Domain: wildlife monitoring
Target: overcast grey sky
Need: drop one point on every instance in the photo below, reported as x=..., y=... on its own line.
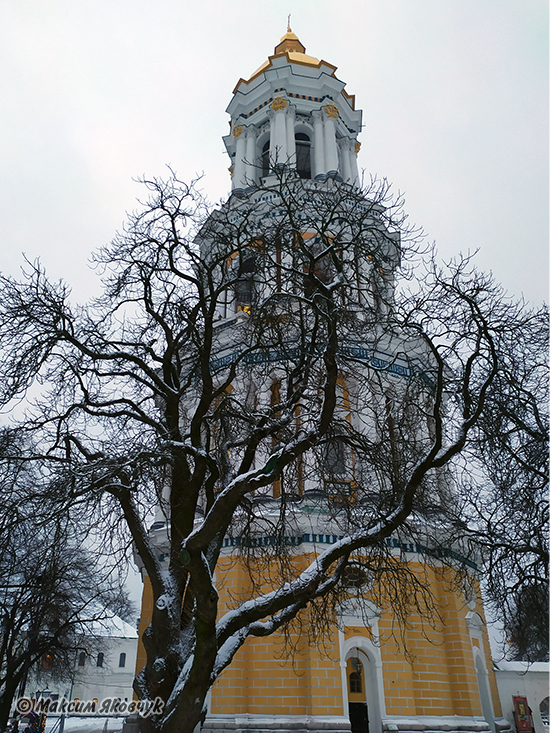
x=94, y=93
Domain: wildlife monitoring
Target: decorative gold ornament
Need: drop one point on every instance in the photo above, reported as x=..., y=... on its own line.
x=357, y=146
x=332, y=110
x=237, y=129
x=230, y=169
x=278, y=103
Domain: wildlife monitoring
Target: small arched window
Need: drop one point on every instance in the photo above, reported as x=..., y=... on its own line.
x=265, y=159
x=544, y=713
x=82, y=659
x=303, y=154
x=100, y=659
x=122, y=659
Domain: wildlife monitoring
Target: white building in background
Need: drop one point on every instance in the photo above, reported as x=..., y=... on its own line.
x=106, y=672
x=525, y=680
x=109, y=672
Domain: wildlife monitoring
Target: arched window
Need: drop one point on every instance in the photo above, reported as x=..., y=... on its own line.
x=82, y=659
x=543, y=709
x=303, y=154
x=265, y=159
x=122, y=659
x=100, y=659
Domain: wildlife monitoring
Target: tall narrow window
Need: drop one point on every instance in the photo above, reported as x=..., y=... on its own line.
x=122, y=659
x=81, y=659
x=278, y=260
x=244, y=288
x=390, y=421
x=265, y=159
x=335, y=458
x=100, y=659
x=355, y=682
x=303, y=155
x=275, y=403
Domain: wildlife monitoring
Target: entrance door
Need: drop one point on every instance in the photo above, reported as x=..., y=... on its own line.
x=357, y=698
x=359, y=717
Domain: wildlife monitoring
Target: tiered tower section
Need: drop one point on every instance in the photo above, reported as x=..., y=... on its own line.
x=293, y=112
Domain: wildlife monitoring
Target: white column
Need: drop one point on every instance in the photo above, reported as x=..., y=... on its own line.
x=319, y=145
x=353, y=160
x=251, y=162
x=280, y=155
x=331, y=151
x=239, y=169
x=345, y=153
x=290, y=140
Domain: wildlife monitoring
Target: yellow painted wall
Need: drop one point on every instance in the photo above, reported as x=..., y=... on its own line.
x=261, y=680
x=436, y=677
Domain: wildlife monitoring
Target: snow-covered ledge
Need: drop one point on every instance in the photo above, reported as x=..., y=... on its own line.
x=279, y=723
x=446, y=723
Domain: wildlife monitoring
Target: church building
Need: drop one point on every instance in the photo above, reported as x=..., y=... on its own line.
x=368, y=674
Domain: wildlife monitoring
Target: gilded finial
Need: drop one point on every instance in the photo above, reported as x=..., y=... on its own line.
x=289, y=42
x=288, y=28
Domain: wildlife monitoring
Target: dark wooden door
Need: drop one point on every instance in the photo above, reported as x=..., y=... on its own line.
x=359, y=717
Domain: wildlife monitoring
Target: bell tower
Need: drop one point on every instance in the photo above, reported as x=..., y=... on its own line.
x=297, y=241
x=293, y=119
x=292, y=112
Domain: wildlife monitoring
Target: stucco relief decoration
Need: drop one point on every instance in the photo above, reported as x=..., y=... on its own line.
x=357, y=146
x=237, y=129
x=278, y=103
x=332, y=110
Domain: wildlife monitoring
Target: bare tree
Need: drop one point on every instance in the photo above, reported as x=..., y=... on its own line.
x=510, y=509
x=51, y=601
x=55, y=595
x=266, y=352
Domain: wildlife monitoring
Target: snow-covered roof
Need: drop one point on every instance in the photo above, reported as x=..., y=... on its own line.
x=522, y=667
x=113, y=627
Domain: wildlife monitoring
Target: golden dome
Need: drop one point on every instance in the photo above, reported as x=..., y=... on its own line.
x=291, y=46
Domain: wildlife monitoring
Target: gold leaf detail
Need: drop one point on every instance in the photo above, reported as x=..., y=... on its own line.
x=278, y=103
x=237, y=129
x=332, y=110
x=357, y=146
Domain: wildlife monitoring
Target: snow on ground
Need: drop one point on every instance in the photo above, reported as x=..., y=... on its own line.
x=91, y=724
